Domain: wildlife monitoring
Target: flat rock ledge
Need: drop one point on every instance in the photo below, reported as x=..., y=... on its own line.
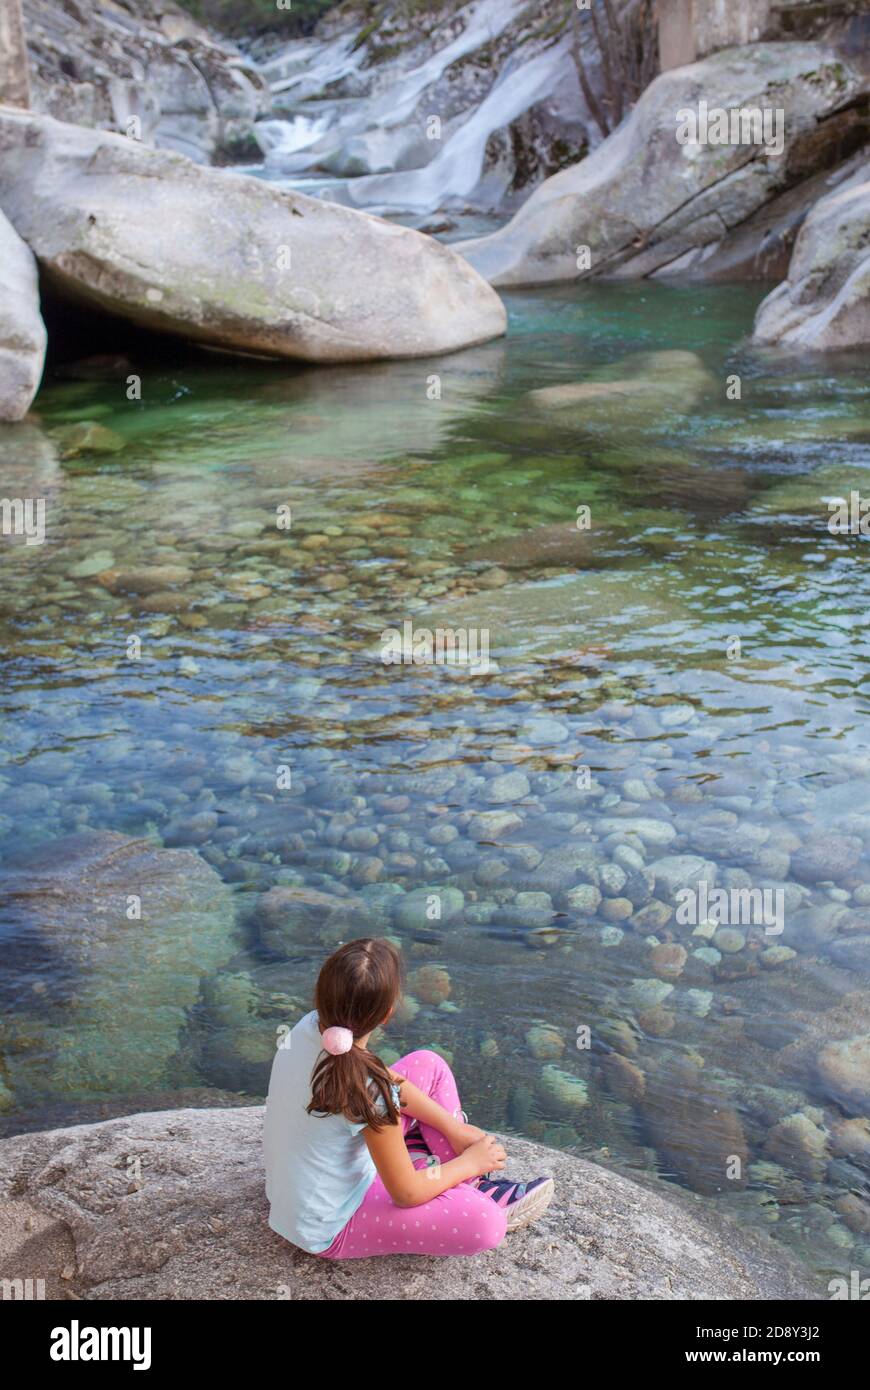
x=170, y=1205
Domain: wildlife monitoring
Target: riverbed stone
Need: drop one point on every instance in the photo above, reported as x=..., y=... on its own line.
x=546, y=1044
x=844, y=1072
x=492, y=825
x=799, y=1144
x=826, y=856
x=562, y=1093
x=425, y=907
x=637, y=389
x=431, y=984
x=675, y=872
x=668, y=960
x=289, y=914
x=851, y=1139
x=509, y=786
x=583, y=899
x=651, y=832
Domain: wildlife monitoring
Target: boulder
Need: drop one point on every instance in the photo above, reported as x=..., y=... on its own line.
x=171, y=1205
x=638, y=389
x=121, y=984
x=643, y=200
x=825, y=301
x=22, y=332
x=229, y=260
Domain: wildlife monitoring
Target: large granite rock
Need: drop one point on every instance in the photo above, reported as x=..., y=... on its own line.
x=643, y=202
x=227, y=259
x=760, y=248
x=825, y=301
x=149, y=61
x=170, y=1205
x=22, y=332
x=113, y=989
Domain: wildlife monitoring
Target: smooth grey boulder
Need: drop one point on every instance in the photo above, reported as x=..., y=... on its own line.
x=22, y=332
x=170, y=1205
x=825, y=301
x=227, y=259
x=643, y=201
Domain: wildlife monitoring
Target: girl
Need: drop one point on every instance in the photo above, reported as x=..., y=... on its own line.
x=347, y=1174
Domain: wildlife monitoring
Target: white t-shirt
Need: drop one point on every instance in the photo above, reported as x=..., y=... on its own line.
x=318, y=1167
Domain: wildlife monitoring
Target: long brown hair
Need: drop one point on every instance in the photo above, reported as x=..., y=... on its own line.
x=357, y=988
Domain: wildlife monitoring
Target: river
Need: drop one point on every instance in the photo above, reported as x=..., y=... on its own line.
x=692, y=683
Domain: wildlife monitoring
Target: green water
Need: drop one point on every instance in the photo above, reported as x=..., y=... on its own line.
x=418, y=492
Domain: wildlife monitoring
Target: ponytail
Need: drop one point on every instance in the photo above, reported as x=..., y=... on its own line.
x=355, y=1084
x=357, y=989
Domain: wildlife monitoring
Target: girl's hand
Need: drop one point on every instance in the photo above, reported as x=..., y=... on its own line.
x=486, y=1155
x=463, y=1136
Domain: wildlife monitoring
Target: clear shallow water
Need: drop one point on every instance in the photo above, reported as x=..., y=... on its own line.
x=709, y=523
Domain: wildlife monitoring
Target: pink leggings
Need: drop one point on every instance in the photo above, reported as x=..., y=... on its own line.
x=461, y=1221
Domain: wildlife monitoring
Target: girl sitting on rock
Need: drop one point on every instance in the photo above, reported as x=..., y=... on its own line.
x=362, y=1159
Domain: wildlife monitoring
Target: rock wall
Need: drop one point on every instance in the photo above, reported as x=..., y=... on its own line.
x=647, y=202
x=125, y=61
x=460, y=104
x=14, y=74
x=692, y=29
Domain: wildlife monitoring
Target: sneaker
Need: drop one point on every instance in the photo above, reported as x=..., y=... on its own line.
x=523, y=1201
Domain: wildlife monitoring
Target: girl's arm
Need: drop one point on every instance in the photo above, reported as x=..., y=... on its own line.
x=410, y=1187
x=415, y=1102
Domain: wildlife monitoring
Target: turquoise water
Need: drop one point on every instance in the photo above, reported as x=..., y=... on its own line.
x=621, y=724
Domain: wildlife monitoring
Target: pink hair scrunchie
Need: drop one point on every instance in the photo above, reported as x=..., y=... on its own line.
x=337, y=1040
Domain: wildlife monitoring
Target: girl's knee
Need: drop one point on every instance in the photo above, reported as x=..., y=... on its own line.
x=490, y=1226
x=424, y=1062
x=492, y=1240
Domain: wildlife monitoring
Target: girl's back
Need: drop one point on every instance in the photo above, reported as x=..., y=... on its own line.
x=318, y=1167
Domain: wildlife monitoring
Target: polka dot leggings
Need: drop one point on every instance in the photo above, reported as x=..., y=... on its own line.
x=461, y=1221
